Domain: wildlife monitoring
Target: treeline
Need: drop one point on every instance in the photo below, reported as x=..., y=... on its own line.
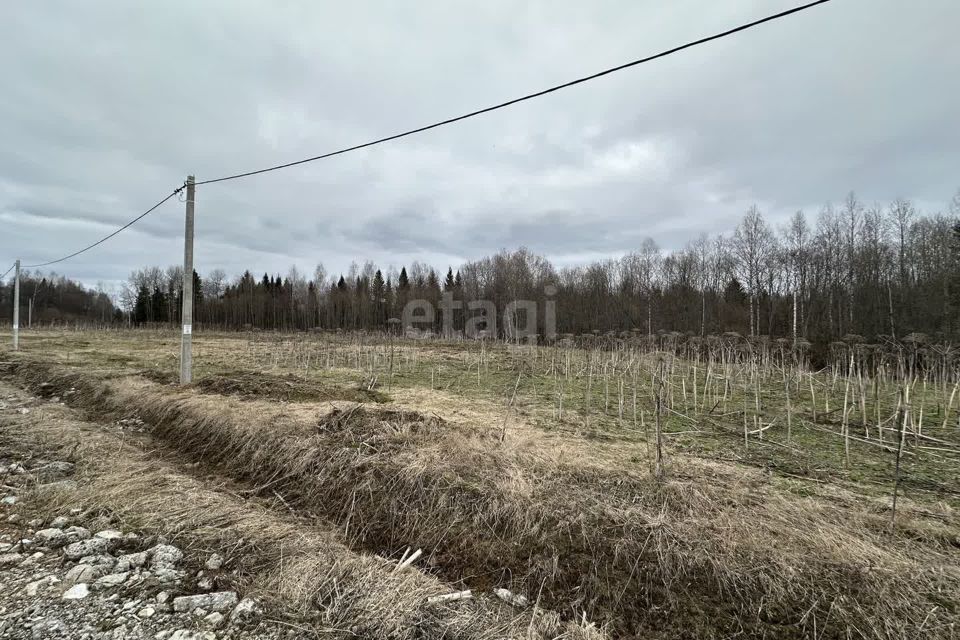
x=52, y=299
x=855, y=270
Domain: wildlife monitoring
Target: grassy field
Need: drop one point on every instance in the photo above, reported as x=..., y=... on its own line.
x=534, y=468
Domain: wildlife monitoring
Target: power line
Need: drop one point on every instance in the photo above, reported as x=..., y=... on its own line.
x=7, y=271
x=442, y=123
x=107, y=237
x=529, y=96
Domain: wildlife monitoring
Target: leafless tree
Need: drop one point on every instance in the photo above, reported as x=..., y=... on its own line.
x=752, y=246
x=214, y=284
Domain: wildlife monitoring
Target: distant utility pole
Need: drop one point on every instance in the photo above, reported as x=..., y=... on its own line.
x=16, y=305
x=186, y=340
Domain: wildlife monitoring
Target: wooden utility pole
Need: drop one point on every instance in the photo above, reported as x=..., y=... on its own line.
x=186, y=340
x=16, y=305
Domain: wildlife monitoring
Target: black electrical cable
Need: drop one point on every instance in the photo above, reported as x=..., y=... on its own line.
x=435, y=125
x=105, y=238
x=529, y=96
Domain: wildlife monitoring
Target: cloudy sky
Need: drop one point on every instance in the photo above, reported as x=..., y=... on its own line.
x=106, y=106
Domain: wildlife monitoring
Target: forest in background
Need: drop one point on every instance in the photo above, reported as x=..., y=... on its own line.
x=53, y=299
x=867, y=271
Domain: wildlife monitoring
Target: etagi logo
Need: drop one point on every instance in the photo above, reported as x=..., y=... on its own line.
x=521, y=319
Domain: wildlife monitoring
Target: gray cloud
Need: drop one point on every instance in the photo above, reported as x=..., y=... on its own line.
x=108, y=106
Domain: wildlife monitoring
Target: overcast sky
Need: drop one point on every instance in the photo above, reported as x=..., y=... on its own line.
x=106, y=106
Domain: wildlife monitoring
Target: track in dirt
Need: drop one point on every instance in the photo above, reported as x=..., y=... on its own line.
x=297, y=563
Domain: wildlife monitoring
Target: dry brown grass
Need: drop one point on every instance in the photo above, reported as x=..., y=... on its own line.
x=301, y=569
x=251, y=385
x=714, y=550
